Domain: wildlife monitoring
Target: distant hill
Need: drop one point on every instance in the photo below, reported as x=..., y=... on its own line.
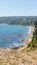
x=20, y=20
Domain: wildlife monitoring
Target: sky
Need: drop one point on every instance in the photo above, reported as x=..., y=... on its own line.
x=18, y=8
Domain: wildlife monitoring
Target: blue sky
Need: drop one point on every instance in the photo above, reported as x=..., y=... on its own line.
x=18, y=7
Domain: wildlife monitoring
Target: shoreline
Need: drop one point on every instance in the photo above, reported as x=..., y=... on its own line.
x=28, y=39
x=25, y=41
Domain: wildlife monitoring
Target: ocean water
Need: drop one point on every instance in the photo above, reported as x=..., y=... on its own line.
x=11, y=36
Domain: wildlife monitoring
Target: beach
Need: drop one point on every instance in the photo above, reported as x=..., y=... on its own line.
x=28, y=39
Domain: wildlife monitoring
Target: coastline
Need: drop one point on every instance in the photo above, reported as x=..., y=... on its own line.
x=28, y=39
x=25, y=41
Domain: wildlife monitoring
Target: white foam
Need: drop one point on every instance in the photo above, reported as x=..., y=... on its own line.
x=29, y=31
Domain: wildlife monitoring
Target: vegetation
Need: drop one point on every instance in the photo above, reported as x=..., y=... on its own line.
x=19, y=20
x=33, y=43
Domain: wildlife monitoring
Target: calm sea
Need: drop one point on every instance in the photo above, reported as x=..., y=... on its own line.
x=11, y=36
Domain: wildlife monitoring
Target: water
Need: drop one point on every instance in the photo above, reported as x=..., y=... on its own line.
x=11, y=36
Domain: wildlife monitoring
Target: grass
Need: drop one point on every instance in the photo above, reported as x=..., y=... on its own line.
x=23, y=61
x=33, y=58
x=12, y=63
x=16, y=57
x=26, y=50
x=30, y=61
x=30, y=47
x=33, y=44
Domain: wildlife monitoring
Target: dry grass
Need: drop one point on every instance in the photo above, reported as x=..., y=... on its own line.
x=10, y=57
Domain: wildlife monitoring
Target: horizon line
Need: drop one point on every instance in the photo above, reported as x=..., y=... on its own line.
x=17, y=16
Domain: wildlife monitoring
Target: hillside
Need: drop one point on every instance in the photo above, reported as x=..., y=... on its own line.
x=19, y=20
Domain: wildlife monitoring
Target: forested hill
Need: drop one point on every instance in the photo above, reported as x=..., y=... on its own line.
x=20, y=20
